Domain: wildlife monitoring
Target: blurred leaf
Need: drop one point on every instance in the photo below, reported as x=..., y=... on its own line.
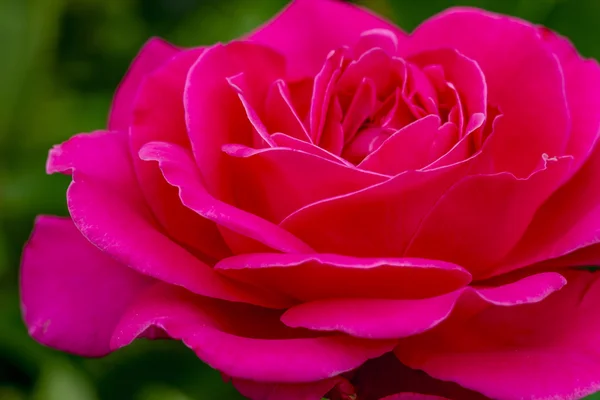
x=62, y=381
x=10, y=393
x=161, y=393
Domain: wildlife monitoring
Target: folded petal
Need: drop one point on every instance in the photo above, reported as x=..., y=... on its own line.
x=307, y=30
x=481, y=218
x=180, y=171
x=528, y=86
x=389, y=318
x=72, y=294
x=152, y=55
x=109, y=209
x=283, y=116
x=408, y=148
x=158, y=115
x=548, y=349
x=290, y=142
x=341, y=276
x=377, y=221
x=275, y=182
x=244, y=341
x=214, y=113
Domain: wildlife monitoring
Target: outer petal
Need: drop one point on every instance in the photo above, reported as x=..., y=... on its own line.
x=243, y=341
x=568, y=221
x=180, y=171
x=528, y=85
x=158, y=115
x=154, y=53
x=384, y=319
x=340, y=276
x=582, y=86
x=108, y=208
x=481, y=218
x=547, y=350
x=72, y=294
x=307, y=30
x=275, y=182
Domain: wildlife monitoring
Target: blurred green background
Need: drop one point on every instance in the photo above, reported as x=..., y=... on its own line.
x=60, y=62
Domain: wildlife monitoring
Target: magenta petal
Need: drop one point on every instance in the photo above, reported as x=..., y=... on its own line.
x=282, y=391
x=282, y=116
x=341, y=276
x=544, y=350
x=275, y=182
x=307, y=30
x=158, y=115
x=408, y=148
x=481, y=218
x=215, y=331
x=372, y=318
x=290, y=142
x=377, y=221
x=180, y=171
x=389, y=318
x=72, y=294
x=214, y=114
x=567, y=222
x=108, y=208
x=528, y=86
x=154, y=53
x=582, y=85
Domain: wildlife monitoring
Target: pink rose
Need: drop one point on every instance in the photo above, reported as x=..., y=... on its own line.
x=330, y=206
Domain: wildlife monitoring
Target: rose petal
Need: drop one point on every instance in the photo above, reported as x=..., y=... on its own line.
x=214, y=114
x=283, y=116
x=180, y=171
x=152, y=55
x=380, y=38
x=289, y=142
x=72, y=294
x=528, y=85
x=567, y=222
x=544, y=350
x=582, y=84
x=389, y=319
x=481, y=218
x=158, y=115
x=108, y=208
x=273, y=183
x=409, y=148
x=341, y=276
x=218, y=332
x=307, y=30
x=377, y=221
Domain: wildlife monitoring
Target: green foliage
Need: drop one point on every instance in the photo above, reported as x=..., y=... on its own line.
x=61, y=60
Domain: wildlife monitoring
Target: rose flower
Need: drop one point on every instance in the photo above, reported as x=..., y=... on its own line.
x=333, y=207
